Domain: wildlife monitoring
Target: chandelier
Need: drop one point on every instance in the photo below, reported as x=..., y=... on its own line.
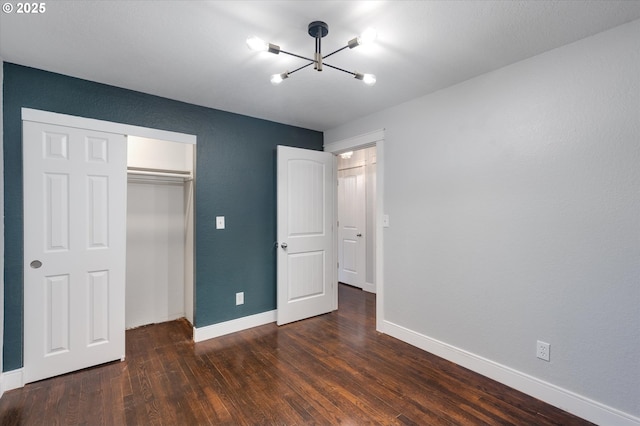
x=317, y=30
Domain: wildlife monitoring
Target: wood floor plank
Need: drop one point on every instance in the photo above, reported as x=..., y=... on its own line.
x=328, y=370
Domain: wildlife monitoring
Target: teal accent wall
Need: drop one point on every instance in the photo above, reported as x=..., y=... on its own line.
x=235, y=163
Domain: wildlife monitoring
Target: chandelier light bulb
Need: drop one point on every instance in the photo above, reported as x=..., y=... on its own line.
x=369, y=79
x=256, y=43
x=368, y=36
x=277, y=78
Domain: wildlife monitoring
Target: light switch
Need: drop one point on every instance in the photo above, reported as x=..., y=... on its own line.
x=385, y=221
x=219, y=222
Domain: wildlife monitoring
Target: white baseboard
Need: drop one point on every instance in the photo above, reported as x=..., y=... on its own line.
x=11, y=380
x=566, y=400
x=227, y=327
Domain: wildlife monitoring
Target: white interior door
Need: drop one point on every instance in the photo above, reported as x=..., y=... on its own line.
x=306, y=259
x=352, y=245
x=74, y=248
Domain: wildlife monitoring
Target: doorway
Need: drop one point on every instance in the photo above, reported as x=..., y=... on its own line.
x=357, y=218
x=374, y=138
x=159, y=273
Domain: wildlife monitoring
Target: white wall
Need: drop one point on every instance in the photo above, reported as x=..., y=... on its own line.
x=1, y=222
x=514, y=203
x=370, y=184
x=159, y=154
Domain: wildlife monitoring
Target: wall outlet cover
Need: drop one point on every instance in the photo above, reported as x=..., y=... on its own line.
x=543, y=350
x=219, y=222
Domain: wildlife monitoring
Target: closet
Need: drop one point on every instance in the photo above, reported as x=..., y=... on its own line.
x=159, y=271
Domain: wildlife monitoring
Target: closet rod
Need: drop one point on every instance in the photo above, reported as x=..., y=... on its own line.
x=158, y=172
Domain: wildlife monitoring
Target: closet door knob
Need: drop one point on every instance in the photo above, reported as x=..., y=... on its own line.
x=284, y=245
x=359, y=235
x=35, y=264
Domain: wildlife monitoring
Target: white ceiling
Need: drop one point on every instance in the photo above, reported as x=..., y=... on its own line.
x=195, y=51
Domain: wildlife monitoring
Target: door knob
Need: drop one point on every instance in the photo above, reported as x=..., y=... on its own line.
x=284, y=245
x=359, y=235
x=35, y=264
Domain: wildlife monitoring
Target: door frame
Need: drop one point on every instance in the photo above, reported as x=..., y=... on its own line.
x=366, y=140
x=28, y=114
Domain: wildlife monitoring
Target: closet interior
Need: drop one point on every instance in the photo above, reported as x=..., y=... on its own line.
x=160, y=253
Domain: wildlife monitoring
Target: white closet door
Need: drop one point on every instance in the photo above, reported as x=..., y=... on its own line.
x=74, y=249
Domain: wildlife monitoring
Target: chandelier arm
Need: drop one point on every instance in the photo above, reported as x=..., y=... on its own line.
x=341, y=69
x=302, y=67
x=334, y=52
x=297, y=56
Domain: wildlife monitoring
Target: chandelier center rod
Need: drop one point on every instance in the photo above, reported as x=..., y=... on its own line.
x=317, y=30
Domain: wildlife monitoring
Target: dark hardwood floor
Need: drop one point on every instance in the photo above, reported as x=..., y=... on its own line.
x=328, y=370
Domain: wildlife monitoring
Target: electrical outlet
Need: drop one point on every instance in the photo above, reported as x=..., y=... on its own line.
x=240, y=298
x=219, y=222
x=543, y=350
